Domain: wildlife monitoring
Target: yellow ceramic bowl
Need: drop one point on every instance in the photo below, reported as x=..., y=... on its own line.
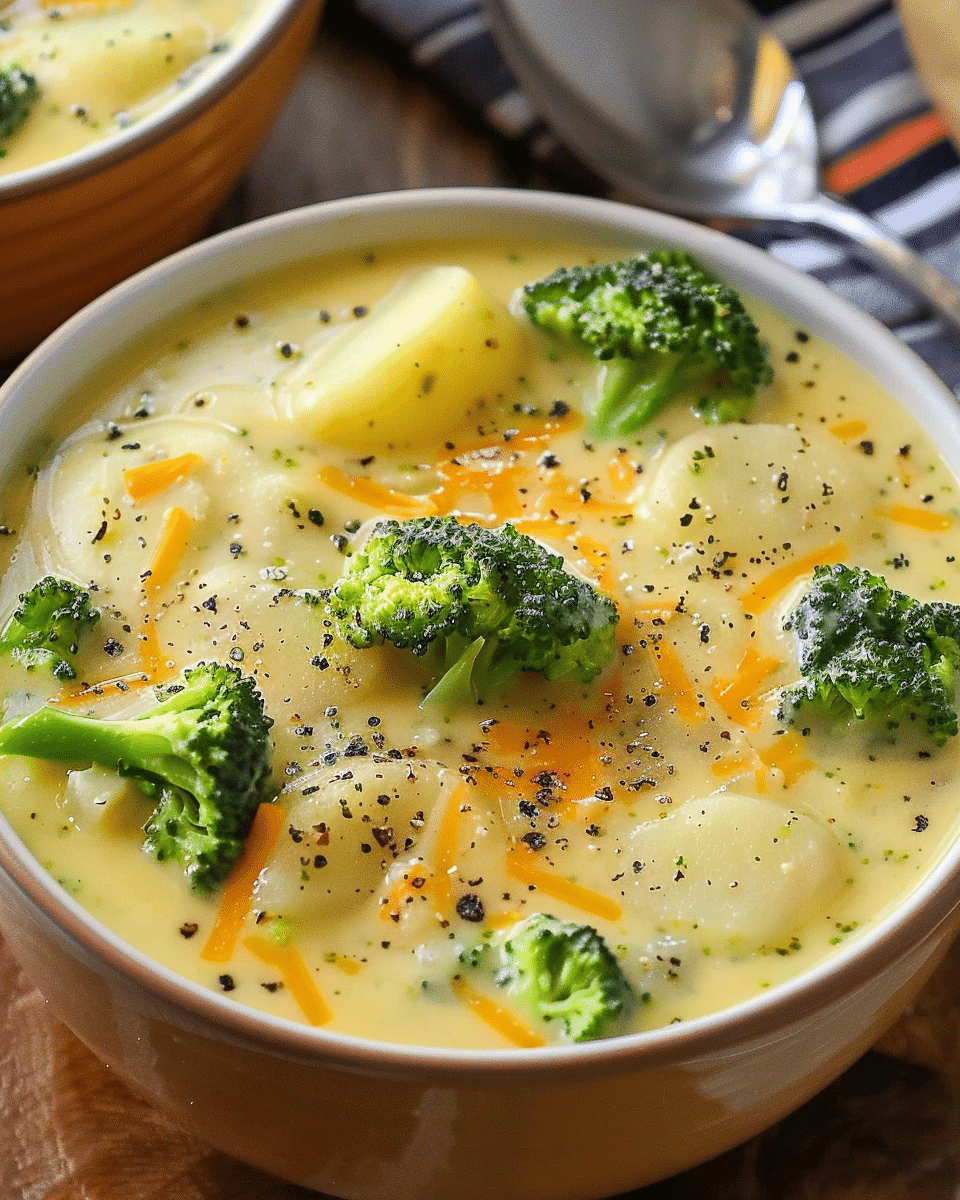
x=376, y=1121
x=72, y=228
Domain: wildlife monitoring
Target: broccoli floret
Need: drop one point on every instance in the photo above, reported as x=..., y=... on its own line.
x=871, y=653
x=485, y=603
x=557, y=971
x=19, y=92
x=46, y=627
x=664, y=327
x=202, y=753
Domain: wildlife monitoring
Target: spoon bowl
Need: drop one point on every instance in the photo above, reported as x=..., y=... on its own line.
x=692, y=106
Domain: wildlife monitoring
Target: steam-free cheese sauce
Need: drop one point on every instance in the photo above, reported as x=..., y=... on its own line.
x=102, y=65
x=717, y=852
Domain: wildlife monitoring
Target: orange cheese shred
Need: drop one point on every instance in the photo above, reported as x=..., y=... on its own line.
x=596, y=556
x=156, y=667
x=569, y=755
x=565, y=495
x=153, y=477
x=919, y=518
x=531, y=431
x=169, y=549
x=368, y=491
x=758, y=598
x=675, y=680
x=238, y=889
x=85, y=7
x=495, y=483
x=413, y=885
x=622, y=473
x=732, y=765
x=445, y=851
x=167, y=554
x=295, y=975
x=520, y=866
x=496, y=1016
x=786, y=756
x=544, y=527
x=502, y=919
x=348, y=965
x=741, y=764
x=847, y=430
x=737, y=696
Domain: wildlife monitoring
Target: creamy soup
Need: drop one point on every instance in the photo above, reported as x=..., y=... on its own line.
x=717, y=851
x=100, y=67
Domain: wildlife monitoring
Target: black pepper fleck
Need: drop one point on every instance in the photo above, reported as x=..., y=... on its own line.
x=470, y=908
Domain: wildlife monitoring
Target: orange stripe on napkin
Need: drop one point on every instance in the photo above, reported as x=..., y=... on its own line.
x=878, y=157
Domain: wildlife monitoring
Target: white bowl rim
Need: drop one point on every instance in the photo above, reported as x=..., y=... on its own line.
x=220, y=73
x=922, y=915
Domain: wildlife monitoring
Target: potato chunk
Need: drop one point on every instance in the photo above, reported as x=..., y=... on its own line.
x=347, y=825
x=434, y=353
x=85, y=65
x=742, y=871
x=767, y=490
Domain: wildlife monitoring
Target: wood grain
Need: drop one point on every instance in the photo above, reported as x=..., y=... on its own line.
x=71, y=1130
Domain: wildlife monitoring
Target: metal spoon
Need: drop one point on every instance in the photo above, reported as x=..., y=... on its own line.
x=692, y=106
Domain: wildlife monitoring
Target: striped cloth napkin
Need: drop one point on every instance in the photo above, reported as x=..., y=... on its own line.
x=885, y=148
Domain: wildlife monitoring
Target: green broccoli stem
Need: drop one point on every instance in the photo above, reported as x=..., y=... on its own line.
x=471, y=669
x=456, y=685
x=201, y=755
x=722, y=407
x=130, y=746
x=634, y=390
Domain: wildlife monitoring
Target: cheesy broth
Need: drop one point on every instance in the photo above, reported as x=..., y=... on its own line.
x=717, y=853
x=101, y=67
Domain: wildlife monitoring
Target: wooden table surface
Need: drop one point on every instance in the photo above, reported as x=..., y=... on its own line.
x=361, y=120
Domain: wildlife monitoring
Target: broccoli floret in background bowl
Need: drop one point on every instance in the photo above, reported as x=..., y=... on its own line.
x=19, y=92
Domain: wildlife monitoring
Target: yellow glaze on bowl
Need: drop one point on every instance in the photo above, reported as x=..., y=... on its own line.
x=67, y=235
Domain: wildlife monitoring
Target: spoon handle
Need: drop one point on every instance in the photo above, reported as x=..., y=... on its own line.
x=887, y=252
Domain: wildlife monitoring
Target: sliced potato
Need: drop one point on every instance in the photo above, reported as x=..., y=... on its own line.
x=743, y=871
x=433, y=354
x=116, y=74
x=764, y=490
x=347, y=825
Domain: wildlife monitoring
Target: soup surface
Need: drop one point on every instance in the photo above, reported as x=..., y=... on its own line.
x=717, y=851
x=101, y=67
